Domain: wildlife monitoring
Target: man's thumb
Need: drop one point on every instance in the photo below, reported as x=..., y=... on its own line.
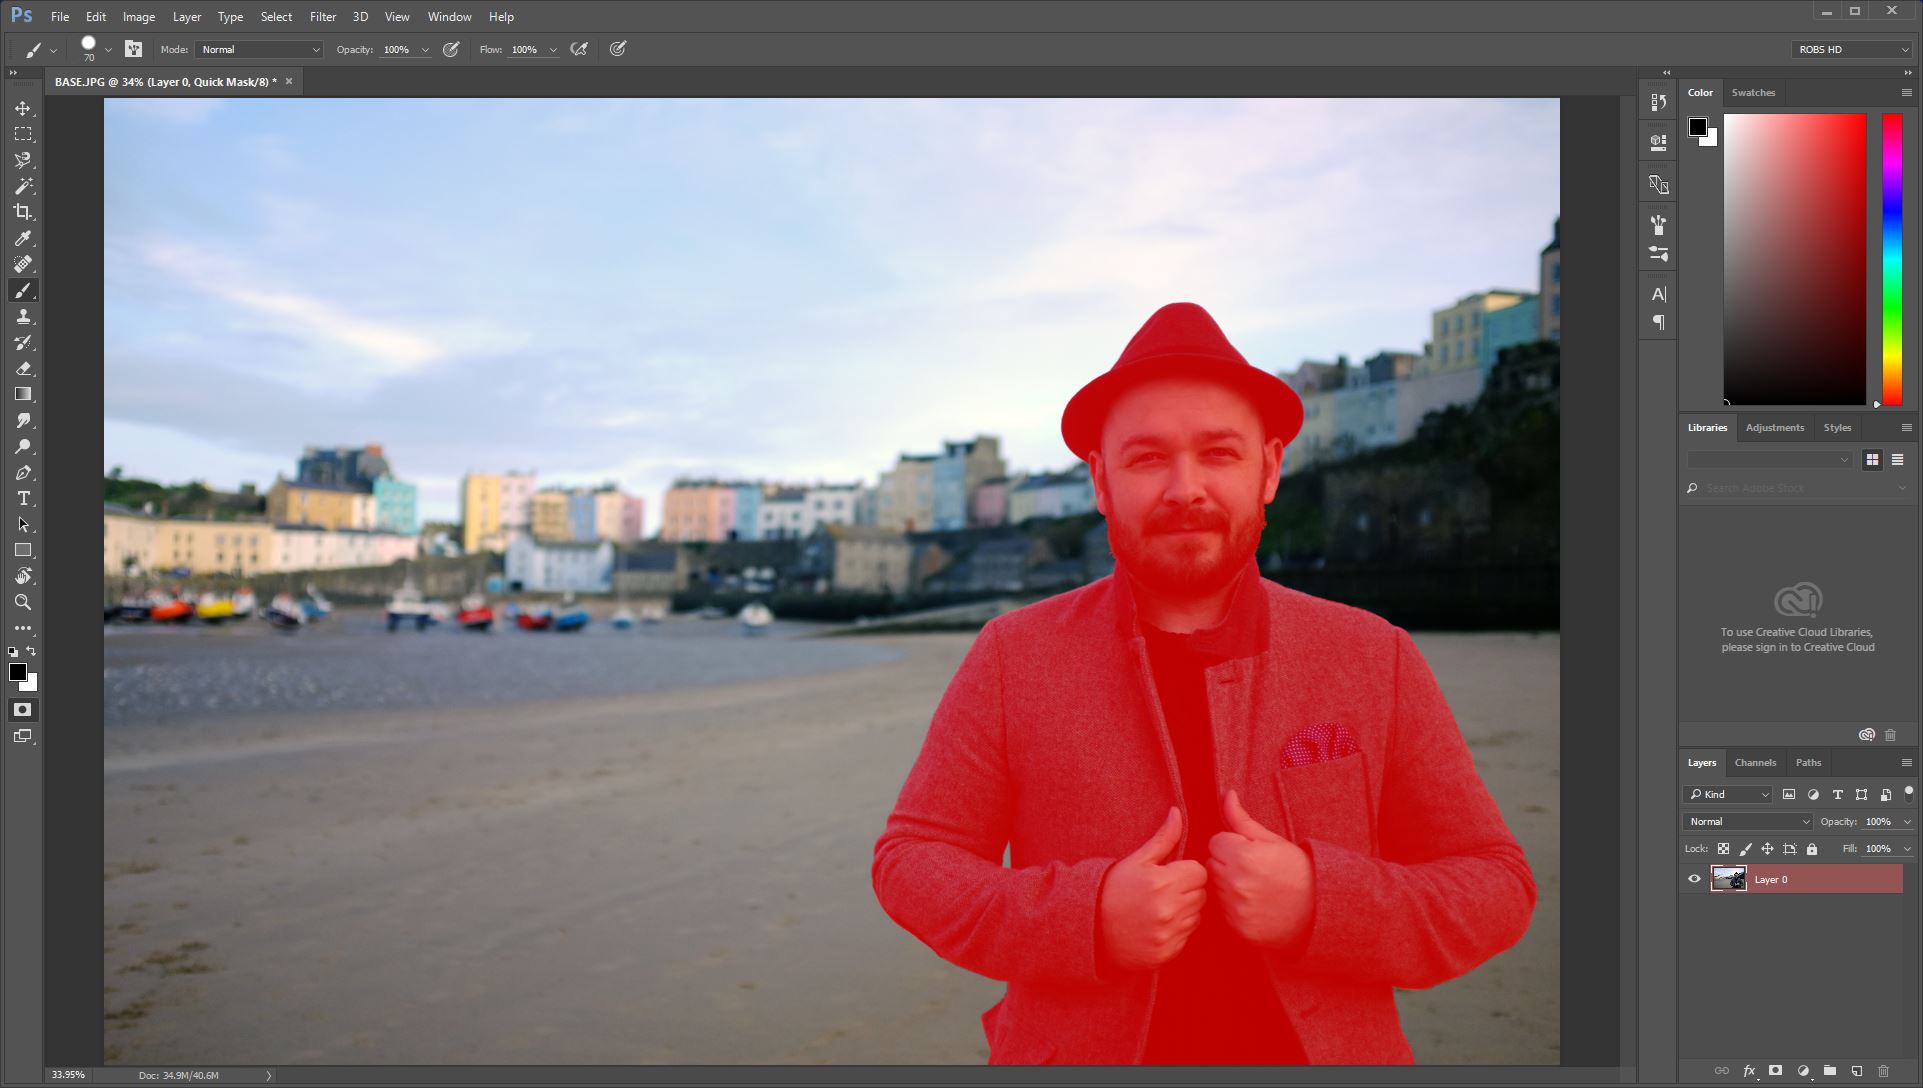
x=1242, y=823
x=1162, y=843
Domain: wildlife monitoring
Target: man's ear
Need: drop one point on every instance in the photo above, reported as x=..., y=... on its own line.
x=1100, y=479
x=1271, y=469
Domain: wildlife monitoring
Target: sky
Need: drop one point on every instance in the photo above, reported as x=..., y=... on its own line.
x=796, y=290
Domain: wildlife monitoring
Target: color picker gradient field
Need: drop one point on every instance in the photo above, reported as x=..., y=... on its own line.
x=1795, y=258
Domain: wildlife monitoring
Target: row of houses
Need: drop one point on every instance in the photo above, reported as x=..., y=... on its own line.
x=138, y=543
x=495, y=505
x=967, y=486
x=835, y=557
x=1381, y=401
x=1347, y=409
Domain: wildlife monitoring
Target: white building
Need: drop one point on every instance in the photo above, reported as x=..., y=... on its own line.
x=830, y=506
x=559, y=566
x=783, y=515
x=391, y=548
x=300, y=547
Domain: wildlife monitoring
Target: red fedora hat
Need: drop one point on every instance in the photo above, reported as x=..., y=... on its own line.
x=1179, y=340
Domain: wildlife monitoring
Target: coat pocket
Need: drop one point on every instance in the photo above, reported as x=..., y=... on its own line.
x=1330, y=801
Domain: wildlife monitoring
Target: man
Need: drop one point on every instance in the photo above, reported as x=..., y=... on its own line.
x=1238, y=816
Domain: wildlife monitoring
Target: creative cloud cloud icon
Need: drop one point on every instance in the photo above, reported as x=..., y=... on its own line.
x=1802, y=599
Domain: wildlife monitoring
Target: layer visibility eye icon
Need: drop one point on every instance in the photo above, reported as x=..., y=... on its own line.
x=1803, y=599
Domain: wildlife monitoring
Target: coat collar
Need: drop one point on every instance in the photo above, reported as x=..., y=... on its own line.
x=1244, y=632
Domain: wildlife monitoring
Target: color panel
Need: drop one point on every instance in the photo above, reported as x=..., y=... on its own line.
x=1795, y=258
x=1892, y=323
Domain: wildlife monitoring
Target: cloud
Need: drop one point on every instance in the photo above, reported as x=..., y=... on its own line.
x=791, y=289
x=228, y=280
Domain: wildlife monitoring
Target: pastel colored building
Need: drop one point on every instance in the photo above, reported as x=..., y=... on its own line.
x=747, y=511
x=1365, y=415
x=698, y=510
x=395, y=506
x=1052, y=495
x=989, y=506
x=583, y=515
x=552, y=512
x=128, y=540
x=1508, y=327
x=1418, y=397
x=906, y=499
x=328, y=506
x=632, y=520
x=214, y=547
x=957, y=472
x=517, y=500
x=610, y=504
x=1458, y=330
x=300, y=547
x=491, y=504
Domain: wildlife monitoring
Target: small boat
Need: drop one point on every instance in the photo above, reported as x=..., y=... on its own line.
x=215, y=610
x=284, y=612
x=755, y=618
x=134, y=610
x=171, y=611
x=653, y=613
x=622, y=619
x=572, y=620
x=407, y=607
x=475, y=615
x=534, y=619
x=244, y=603
x=315, y=606
x=313, y=609
x=711, y=612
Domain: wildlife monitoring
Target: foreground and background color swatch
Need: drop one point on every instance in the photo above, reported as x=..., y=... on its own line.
x=1794, y=256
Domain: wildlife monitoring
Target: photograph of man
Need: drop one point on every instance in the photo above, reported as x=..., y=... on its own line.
x=1236, y=817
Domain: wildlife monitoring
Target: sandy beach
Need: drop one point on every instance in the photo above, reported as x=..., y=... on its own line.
x=668, y=876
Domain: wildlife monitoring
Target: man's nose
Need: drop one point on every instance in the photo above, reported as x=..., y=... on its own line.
x=1184, y=481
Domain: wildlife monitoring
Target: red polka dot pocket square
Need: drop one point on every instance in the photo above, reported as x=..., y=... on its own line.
x=1319, y=743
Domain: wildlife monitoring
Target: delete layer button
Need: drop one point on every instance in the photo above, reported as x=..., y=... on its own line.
x=1830, y=879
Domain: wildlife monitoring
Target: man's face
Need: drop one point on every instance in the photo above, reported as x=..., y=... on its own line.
x=1184, y=475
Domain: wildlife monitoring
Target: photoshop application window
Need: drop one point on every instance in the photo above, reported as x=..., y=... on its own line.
x=840, y=541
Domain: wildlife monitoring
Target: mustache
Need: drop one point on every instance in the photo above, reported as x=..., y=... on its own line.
x=1187, y=520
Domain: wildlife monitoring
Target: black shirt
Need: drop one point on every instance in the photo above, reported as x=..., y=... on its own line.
x=1214, y=1004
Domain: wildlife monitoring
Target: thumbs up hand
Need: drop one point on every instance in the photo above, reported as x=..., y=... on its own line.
x=1149, y=905
x=1262, y=881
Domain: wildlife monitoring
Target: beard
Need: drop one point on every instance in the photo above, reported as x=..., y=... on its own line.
x=1171, y=564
